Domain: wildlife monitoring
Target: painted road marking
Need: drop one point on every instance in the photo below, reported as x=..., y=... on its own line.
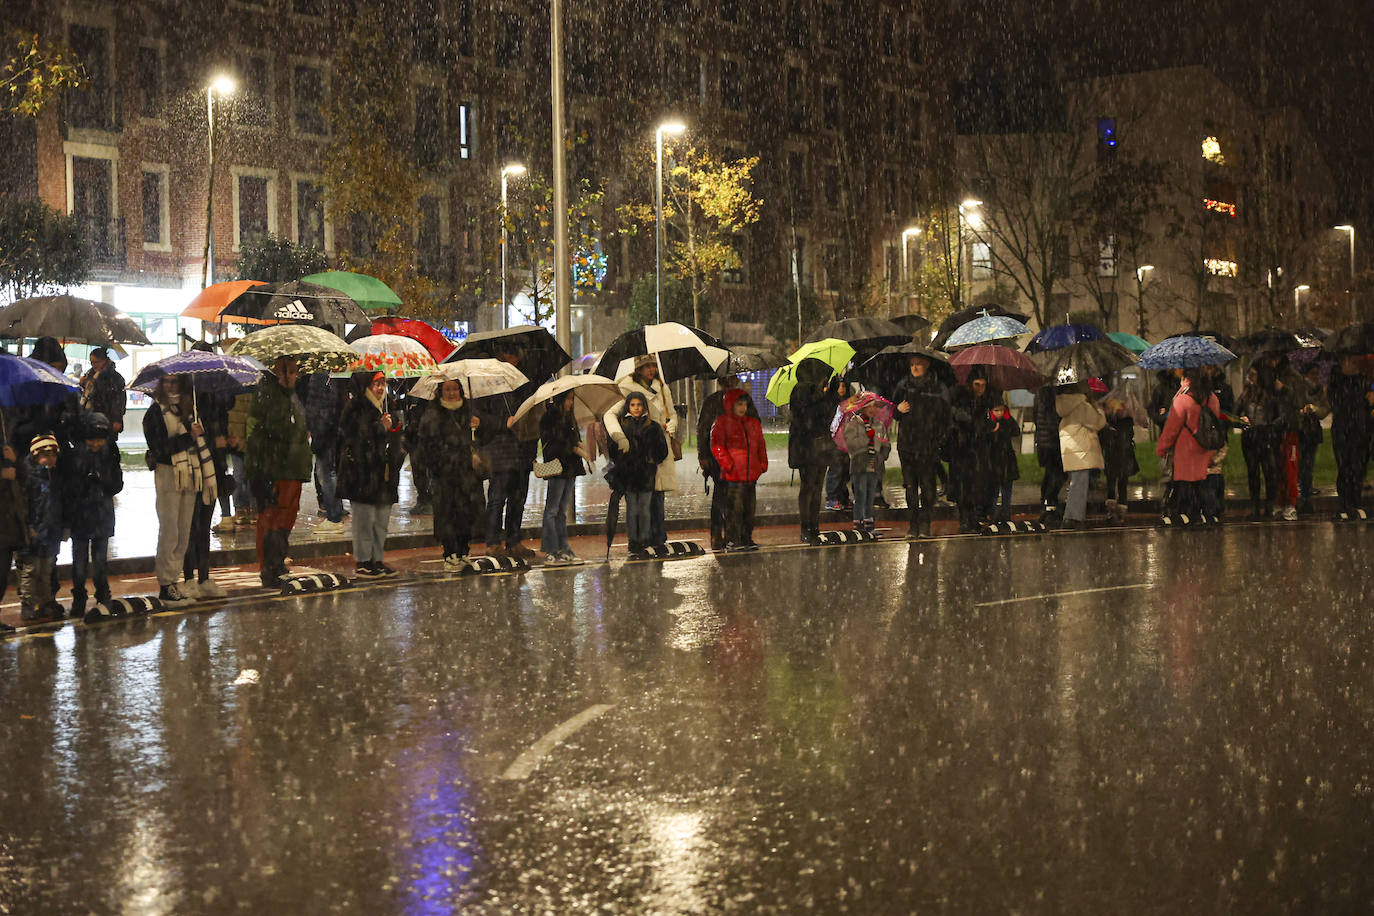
x=526, y=763
x=1081, y=591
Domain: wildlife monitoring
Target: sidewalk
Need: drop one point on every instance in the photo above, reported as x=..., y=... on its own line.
x=132, y=547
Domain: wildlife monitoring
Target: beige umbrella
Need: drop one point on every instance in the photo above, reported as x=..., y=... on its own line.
x=481, y=378
x=593, y=395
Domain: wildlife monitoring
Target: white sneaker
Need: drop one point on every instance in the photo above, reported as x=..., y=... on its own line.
x=190, y=588
x=328, y=527
x=172, y=595
x=455, y=563
x=1290, y=514
x=225, y=526
x=210, y=589
x=571, y=558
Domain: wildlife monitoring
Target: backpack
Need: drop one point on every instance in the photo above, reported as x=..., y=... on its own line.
x=1210, y=433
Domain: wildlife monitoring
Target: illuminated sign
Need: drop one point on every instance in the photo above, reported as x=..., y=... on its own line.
x=1219, y=268
x=1211, y=150
x=1219, y=206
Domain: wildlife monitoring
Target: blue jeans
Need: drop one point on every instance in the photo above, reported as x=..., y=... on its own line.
x=327, y=479
x=1001, y=502
x=506, y=499
x=837, y=483
x=637, y=526
x=658, y=525
x=91, y=554
x=865, y=486
x=556, y=502
x=243, y=493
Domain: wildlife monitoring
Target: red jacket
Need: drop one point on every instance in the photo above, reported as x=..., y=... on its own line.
x=737, y=444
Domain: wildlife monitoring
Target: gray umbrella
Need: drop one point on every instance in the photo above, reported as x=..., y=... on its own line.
x=70, y=318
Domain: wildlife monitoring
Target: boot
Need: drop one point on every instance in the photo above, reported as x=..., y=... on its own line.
x=1111, y=510
x=78, y=608
x=273, y=558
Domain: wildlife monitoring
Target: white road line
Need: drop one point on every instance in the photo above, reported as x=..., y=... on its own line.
x=526, y=763
x=1081, y=591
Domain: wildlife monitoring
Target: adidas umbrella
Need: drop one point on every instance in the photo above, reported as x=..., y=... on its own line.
x=296, y=302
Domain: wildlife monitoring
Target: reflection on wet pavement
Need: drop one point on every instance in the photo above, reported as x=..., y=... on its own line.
x=870, y=729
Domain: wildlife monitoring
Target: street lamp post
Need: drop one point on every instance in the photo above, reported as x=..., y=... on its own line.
x=1297, y=301
x=1140, y=273
x=224, y=86
x=671, y=127
x=965, y=207
x=506, y=172
x=908, y=233
x=1351, y=230
x=562, y=265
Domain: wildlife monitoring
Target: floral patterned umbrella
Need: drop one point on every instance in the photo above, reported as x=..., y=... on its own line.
x=392, y=355
x=314, y=349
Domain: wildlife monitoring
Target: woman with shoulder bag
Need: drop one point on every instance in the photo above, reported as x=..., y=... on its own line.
x=170, y=431
x=456, y=469
x=562, y=443
x=370, y=457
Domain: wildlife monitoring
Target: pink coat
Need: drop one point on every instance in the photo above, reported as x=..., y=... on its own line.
x=1190, y=459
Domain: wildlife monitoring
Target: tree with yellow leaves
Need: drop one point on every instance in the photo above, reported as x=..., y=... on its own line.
x=36, y=73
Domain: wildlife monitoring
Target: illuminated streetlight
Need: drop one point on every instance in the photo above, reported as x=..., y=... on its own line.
x=975, y=222
x=1297, y=300
x=908, y=233
x=222, y=85
x=1140, y=273
x=1351, y=230
x=668, y=127
x=506, y=172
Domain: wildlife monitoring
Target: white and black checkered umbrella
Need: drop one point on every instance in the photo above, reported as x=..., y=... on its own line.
x=681, y=351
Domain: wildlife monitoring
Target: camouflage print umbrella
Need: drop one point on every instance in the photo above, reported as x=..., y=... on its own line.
x=314, y=349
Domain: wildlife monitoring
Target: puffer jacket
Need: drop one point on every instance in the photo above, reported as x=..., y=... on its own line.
x=1046, y=425
x=711, y=408
x=42, y=490
x=660, y=411
x=634, y=465
x=738, y=445
x=856, y=440
x=278, y=446
x=1079, y=420
x=370, y=454
x=90, y=480
x=922, y=431
x=1191, y=460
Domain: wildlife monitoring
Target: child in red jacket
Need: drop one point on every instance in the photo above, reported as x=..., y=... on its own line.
x=738, y=446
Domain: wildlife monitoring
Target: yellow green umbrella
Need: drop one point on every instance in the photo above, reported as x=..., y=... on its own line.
x=833, y=352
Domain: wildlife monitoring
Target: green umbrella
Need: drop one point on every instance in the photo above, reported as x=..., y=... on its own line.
x=1130, y=341
x=369, y=292
x=833, y=352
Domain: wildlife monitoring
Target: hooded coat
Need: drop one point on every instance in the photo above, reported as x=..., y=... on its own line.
x=922, y=431
x=1079, y=421
x=660, y=411
x=90, y=481
x=636, y=452
x=711, y=408
x=812, y=408
x=277, y=444
x=1190, y=459
x=444, y=445
x=737, y=444
x=370, y=453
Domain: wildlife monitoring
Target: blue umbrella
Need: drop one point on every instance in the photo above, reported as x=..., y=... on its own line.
x=982, y=330
x=25, y=382
x=1185, y=353
x=206, y=372
x=1058, y=336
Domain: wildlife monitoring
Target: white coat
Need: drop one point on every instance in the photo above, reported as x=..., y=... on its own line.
x=1079, y=420
x=660, y=410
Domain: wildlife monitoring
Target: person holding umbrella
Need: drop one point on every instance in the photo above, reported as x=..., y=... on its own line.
x=1080, y=420
x=637, y=451
x=711, y=408
x=866, y=439
x=444, y=441
x=809, y=446
x=277, y=460
x=1315, y=408
x=562, y=443
x=170, y=429
x=1257, y=414
x=739, y=449
x=1352, y=425
x=102, y=390
x=1179, y=438
x=837, y=498
x=57, y=418
x=923, y=421
x=972, y=472
x=644, y=381
x=370, y=458
x=511, y=462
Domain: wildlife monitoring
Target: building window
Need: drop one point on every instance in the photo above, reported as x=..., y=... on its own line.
x=735, y=276
x=914, y=42
x=255, y=209
x=830, y=106
x=796, y=24
x=510, y=40
x=914, y=121
x=796, y=100
x=797, y=186
x=93, y=201
x=252, y=103
x=429, y=126
x=891, y=118
x=981, y=258
x=465, y=130
x=833, y=261
x=93, y=106
x=582, y=162
x=429, y=237
x=360, y=235
x=729, y=10
x=1106, y=257
x=892, y=254
x=890, y=190
x=731, y=88
x=832, y=185
x=582, y=70
x=830, y=24
x=308, y=98
x=307, y=7
x=427, y=32
x=678, y=65
x=151, y=83
x=798, y=267
x=1060, y=256
x=310, y=214
x=507, y=136
x=466, y=47
x=155, y=209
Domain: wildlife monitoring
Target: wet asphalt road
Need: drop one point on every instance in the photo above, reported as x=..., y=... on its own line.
x=1185, y=727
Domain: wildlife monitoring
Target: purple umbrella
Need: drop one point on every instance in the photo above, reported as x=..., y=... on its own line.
x=206, y=372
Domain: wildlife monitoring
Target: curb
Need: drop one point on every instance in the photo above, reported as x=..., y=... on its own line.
x=240, y=556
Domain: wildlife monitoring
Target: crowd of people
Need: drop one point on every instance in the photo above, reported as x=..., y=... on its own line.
x=251, y=453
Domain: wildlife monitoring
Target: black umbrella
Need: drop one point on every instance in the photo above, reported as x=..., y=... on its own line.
x=1352, y=340
x=964, y=316
x=69, y=318
x=750, y=359
x=681, y=351
x=539, y=355
x=297, y=302
x=912, y=324
x=885, y=369
x=874, y=333
x=1083, y=360
x=1272, y=340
